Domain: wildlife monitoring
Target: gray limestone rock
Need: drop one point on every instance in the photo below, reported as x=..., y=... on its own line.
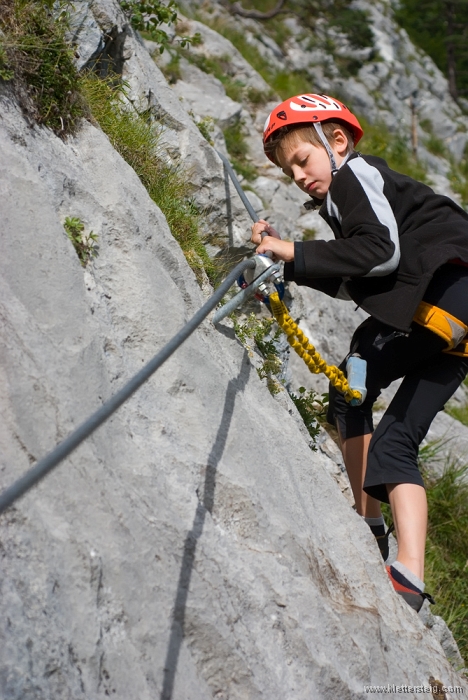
x=194, y=547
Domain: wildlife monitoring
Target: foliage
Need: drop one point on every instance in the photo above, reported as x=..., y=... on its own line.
x=447, y=549
x=148, y=16
x=265, y=337
x=446, y=543
x=460, y=413
x=440, y=28
x=171, y=69
x=206, y=127
x=309, y=234
x=84, y=244
x=352, y=22
x=238, y=149
x=379, y=141
x=136, y=138
x=36, y=58
x=459, y=177
x=341, y=14
x=313, y=409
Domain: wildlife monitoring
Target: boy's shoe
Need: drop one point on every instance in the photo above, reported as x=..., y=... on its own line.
x=382, y=539
x=413, y=597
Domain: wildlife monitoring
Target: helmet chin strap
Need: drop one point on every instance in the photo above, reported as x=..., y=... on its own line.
x=324, y=140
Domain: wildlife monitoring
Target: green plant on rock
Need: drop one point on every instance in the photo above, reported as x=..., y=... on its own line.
x=379, y=141
x=36, y=58
x=206, y=127
x=447, y=548
x=313, y=410
x=265, y=334
x=446, y=544
x=136, y=138
x=83, y=243
x=459, y=177
x=148, y=15
x=171, y=69
x=238, y=151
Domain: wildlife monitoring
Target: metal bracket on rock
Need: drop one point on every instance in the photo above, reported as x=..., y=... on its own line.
x=263, y=272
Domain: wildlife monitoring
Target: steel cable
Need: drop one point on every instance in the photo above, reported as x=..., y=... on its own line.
x=47, y=463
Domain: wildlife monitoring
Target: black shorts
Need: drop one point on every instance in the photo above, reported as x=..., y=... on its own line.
x=430, y=379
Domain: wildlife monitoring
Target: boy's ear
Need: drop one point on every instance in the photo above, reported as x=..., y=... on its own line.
x=340, y=141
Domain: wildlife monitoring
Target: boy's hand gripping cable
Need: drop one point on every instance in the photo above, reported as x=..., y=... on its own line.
x=354, y=385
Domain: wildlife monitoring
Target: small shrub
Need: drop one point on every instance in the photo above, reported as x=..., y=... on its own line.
x=265, y=337
x=206, y=128
x=313, y=409
x=436, y=146
x=36, y=58
x=148, y=15
x=83, y=243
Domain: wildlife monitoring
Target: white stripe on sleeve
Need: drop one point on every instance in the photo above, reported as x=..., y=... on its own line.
x=373, y=184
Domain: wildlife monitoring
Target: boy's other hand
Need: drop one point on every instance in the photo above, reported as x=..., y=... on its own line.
x=282, y=250
x=260, y=227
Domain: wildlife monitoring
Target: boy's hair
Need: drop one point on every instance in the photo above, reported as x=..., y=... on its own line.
x=287, y=137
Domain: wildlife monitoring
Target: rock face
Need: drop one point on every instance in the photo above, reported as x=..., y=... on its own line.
x=194, y=547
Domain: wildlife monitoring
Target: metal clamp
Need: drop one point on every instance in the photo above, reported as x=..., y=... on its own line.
x=263, y=263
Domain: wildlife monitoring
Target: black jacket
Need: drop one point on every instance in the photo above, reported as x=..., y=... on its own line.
x=391, y=234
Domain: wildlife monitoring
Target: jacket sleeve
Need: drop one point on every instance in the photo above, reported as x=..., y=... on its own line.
x=332, y=286
x=368, y=242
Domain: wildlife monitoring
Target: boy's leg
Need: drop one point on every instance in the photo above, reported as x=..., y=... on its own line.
x=389, y=356
x=393, y=474
x=354, y=452
x=409, y=508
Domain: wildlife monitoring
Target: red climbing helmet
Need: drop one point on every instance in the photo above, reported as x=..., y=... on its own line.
x=304, y=109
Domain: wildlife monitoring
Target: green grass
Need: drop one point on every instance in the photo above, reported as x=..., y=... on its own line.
x=459, y=177
x=137, y=140
x=36, y=59
x=458, y=412
x=285, y=83
x=447, y=550
x=447, y=542
x=309, y=234
x=379, y=141
x=238, y=149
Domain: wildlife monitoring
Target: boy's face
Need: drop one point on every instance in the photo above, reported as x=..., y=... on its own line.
x=309, y=166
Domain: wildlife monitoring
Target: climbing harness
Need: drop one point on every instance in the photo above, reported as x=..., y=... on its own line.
x=316, y=364
x=446, y=326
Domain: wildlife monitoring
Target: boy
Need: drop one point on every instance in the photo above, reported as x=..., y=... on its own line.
x=401, y=253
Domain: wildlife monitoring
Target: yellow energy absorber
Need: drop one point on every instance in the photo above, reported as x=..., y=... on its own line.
x=446, y=326
x=304, y=349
